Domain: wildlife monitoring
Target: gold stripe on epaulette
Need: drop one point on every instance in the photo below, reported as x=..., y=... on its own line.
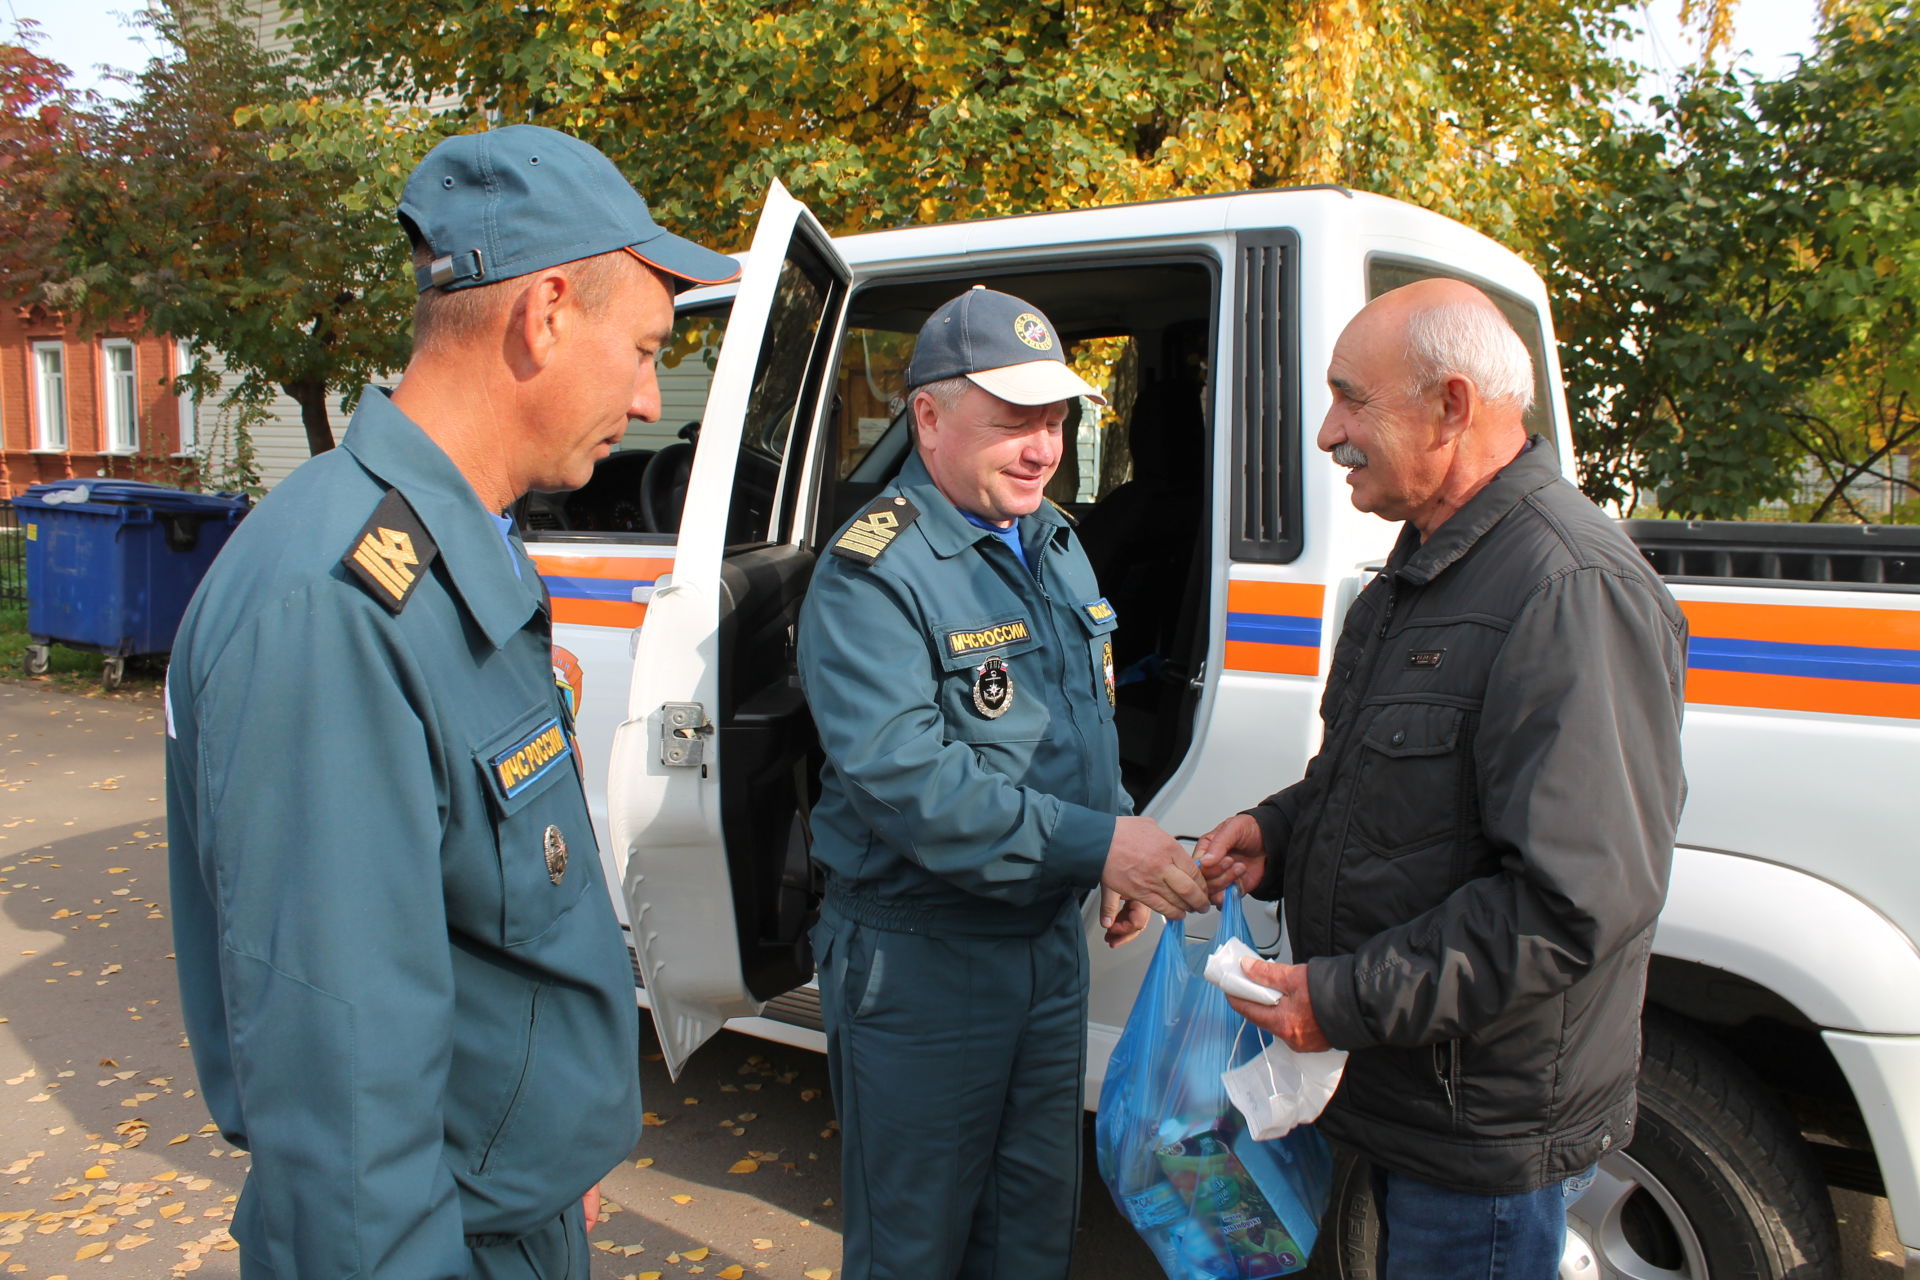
x=875, y=529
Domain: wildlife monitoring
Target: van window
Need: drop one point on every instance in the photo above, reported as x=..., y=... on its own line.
x=1387, y=274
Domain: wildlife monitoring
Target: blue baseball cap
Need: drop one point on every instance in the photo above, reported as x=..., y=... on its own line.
x=505, y=203
x=1000, y=344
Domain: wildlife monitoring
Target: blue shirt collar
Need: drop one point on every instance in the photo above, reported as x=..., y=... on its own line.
x=393, y=448
x=947, y=531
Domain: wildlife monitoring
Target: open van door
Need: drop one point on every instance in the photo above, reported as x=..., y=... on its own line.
x=711, y=770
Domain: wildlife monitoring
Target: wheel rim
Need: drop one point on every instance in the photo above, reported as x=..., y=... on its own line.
x=1628, y=1226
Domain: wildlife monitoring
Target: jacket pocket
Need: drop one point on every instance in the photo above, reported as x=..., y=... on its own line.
x=542, y=835
x=1409, y=783
x=993, y=681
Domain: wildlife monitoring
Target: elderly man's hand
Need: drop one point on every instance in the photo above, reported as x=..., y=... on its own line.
x=1232, y=853
x=1148, y=866
x=1292, y=1019
x=1123, y=920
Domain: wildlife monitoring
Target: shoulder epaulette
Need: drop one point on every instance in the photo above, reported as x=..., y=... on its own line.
x=391, y=553
x=876, y=529
x=1073, y=521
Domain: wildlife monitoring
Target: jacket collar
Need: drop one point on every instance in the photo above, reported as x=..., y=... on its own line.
x=947, y=531
x=1418, y=563
x=393, y=448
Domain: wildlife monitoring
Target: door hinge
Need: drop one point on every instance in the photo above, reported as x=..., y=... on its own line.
x=684, y=729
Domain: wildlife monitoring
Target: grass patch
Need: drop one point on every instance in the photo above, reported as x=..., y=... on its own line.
x=75, y=669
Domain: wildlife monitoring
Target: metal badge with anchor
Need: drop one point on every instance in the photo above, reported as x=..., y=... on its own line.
x=993, y=688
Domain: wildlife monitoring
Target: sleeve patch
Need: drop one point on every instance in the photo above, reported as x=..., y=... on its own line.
x=875, y=529
x=391, y=553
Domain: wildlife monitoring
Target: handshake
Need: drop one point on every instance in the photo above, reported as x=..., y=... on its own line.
x=1148, y=871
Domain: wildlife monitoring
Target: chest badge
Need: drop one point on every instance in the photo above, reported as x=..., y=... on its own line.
x=1424, y=659
x=993, y=688
x=556, y=850
x=1106, y=661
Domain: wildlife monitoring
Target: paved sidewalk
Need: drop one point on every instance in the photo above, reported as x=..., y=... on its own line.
x=107, y=1152
x=111, y=1169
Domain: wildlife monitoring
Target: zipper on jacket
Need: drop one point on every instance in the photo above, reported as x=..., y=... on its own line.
x=1386, y=615
x=1446, y=1069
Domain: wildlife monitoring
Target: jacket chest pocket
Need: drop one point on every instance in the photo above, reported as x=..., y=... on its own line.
x=993, y=681
x=542, y=836
x=1099, y=620
x=1410, y=789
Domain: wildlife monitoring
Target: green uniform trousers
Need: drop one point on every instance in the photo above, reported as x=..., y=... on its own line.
x=557, y=1251
x=958, y=1060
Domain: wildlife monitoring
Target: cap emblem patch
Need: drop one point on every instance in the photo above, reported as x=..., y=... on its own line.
x=1032, y=330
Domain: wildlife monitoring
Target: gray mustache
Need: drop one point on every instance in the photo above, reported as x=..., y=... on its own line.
x=1348, y=456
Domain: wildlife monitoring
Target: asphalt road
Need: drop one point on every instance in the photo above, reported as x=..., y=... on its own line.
x=109, y=1165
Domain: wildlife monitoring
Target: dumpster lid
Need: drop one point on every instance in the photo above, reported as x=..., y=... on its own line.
x=123, y=493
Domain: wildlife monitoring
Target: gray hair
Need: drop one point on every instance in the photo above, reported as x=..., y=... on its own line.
x=1473, y=341
x=946, y=392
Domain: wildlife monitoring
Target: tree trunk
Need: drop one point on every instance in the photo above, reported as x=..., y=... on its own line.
x=311, y=396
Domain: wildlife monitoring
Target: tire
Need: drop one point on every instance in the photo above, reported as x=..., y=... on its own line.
x=113, y=673
x=1717, y=1183
x=36, y=659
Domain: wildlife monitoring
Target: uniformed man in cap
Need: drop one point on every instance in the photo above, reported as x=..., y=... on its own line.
x=956, y=653
x=402, y=976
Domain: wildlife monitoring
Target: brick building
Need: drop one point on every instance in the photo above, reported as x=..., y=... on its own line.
x=75, y=406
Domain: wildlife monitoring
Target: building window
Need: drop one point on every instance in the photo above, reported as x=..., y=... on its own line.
x=50, y=396
x=188, y=403
x=123, y=423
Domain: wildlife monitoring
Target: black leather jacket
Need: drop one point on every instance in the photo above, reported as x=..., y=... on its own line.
x=1472, y=865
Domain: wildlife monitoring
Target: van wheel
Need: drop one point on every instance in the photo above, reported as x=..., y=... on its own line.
x=1716, y=1183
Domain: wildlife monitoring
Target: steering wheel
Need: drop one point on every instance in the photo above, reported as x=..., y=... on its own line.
x=663, y=487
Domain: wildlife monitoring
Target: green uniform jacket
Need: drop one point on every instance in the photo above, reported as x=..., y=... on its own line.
x=420, y=1036
x=927, y=798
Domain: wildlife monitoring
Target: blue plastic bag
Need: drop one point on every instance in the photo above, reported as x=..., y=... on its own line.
x=1210, y=1201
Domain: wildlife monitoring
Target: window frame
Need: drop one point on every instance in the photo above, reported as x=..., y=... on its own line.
x=45, y=438
x=119, y=417
x=188, y=406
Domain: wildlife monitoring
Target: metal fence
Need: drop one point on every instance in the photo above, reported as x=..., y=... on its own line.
x=13, y=556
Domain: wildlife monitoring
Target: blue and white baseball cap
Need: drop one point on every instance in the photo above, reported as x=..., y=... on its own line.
x=1002, y=345
x=508, y=202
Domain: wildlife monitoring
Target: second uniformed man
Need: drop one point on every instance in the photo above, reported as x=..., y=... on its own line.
x=956, y=653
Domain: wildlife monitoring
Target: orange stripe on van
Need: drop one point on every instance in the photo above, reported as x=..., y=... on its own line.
x=1280, y=659
x=598, y=613
x=1298, y=599
x=1801, y=693
x=640, y=567
x=1805, y=624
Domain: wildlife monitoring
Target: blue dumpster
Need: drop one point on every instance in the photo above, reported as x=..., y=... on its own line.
x=111, y=564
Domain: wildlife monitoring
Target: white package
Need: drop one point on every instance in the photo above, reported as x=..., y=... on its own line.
x=1278, y=1088
x=1223, y=971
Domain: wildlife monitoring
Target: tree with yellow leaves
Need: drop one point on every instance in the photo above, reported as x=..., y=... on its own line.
x=883, y=112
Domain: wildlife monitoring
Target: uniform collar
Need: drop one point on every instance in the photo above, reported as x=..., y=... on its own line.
x=397, y=452
x=947, y=531
x=1418, y=563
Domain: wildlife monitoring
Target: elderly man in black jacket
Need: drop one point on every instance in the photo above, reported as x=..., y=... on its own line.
x=1472, y=865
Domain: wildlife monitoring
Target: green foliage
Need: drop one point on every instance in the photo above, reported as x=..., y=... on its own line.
x=1740, y=287
x=37, y=117
x=239, y=210
x=886, y=112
